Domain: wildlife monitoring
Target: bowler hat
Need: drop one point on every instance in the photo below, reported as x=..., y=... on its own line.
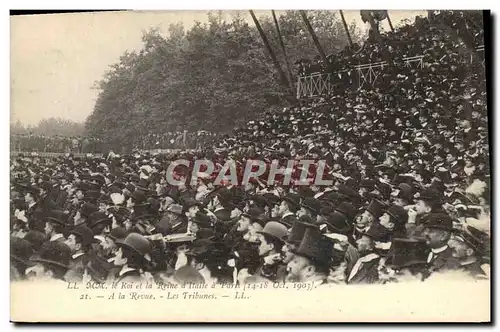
x=275, y=230
x=138, y=244
x=85, y=234
x=87, y=209
x=118, y=233
x=56, y=216
x=338, y=223
x=252, y=213
x=97, y=218
x=346, y=209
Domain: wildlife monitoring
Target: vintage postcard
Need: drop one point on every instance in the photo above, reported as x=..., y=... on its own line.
x=250, y=166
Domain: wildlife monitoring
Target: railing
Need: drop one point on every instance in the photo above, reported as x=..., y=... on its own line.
x=368, y=73
x=320, y=84
x=314, y=85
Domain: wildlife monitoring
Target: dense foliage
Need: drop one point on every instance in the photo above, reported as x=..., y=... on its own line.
x=214, y=77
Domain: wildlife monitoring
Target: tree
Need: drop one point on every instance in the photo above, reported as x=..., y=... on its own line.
x=215, y=76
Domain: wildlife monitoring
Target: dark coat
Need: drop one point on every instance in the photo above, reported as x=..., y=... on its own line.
x=444, y=261
x=367, y=273
x=289, y=220
x=76, y=269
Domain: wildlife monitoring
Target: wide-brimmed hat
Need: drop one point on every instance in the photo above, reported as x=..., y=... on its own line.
x=54, y=253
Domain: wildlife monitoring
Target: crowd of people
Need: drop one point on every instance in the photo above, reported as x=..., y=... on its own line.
x=63, y=144
x=408, y=161
x=32, y=142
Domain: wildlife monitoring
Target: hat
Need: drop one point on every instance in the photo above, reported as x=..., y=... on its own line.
x=315, y=246
x=407, y=252
x=262, y=220
x=138, y=244
x=85, y=233
x=189, y=202
x=297, y=232
x=175, y=208
x=54, y=253
x=56, y=216
x=202, y=220
x=338, y=223
x=476, y=239
x=271, y=198
x=36, y=238
x=440, y=221
x=252, y=214
x=275, y=230
x=139, y=196
x=20, y=249
x=87, y=209
x=312, y=204
x=398, y=213
x=346, y=209
x=430, y=195
x=118, y=233
x=97, y=218
x=292, y=199
x=405, y=192
x=376, y=208
x=200, y=248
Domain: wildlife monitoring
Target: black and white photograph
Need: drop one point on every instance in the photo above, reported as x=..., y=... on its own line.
x=162, y=158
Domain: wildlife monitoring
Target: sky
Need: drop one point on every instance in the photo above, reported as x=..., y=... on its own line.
x=55, y=59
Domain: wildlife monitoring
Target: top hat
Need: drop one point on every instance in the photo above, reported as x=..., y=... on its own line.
x=315, y=246
x=297, y=232
x=398, y=213
x=407, y=252
x=376, y=208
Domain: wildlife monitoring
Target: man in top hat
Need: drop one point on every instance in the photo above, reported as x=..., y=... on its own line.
x=133, y=255
x=288, y=208
x=364, y=221
x=392, y=222
x=51, y=263
x=469, y=247
x=293, y=240
x=437, y=232
x=312, y=259
x=365, y=270
x=79, y=241
x=55, y=224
